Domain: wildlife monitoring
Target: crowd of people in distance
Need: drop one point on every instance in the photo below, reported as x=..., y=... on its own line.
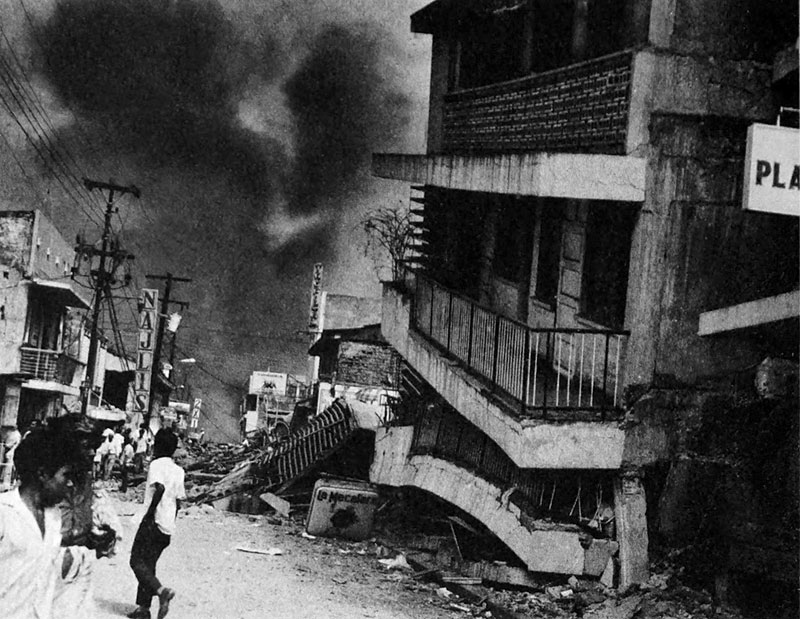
x=58, y=520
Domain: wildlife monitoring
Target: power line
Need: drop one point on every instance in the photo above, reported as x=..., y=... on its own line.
x=37, y=100
x=81, y=131
x=36, y=117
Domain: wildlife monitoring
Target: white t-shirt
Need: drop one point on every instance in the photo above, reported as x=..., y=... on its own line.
x=116, y=444
x=142, y=442
x=164, y=471
x=29, y=561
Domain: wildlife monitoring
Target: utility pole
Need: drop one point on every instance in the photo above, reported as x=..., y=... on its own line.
x=169, y=278
x=102, y=278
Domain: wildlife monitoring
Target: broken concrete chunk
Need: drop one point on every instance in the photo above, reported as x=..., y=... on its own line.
x=282, y=506
x=398, y=563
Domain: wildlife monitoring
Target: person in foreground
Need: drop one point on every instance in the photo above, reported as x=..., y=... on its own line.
x=163, y=494
x=31, y=556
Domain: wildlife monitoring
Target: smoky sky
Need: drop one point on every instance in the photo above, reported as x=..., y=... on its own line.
x=158, y=85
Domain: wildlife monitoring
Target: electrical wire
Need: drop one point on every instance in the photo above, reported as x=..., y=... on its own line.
x=37, y=101
x=36, y=119
x=79, y=125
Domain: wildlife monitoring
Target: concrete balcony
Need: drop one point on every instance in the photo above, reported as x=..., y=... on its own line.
x=583, y=107
x=542, y=546
x=529, y=441
x=48, y=370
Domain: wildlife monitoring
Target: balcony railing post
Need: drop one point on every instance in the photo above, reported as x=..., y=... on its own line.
x=547, y=370
x=417, y=298
x=458, y=442
x=430, y=332
x=469, y=345
x=605, y=382
x=496, y=349
x=449, y=318
x=526, y=371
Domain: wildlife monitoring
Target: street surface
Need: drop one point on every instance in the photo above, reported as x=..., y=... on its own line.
x=318, y=578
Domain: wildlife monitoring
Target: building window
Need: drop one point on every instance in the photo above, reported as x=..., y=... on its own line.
x=609, y=229
x=490, y=49
x=511, y=240
x=549, y=262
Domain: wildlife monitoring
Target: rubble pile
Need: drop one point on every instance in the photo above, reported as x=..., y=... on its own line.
x=214, y=458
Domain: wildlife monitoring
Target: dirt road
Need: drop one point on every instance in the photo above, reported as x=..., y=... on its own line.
x=317, y=578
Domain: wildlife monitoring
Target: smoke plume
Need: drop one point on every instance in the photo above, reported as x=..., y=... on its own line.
x=249, y=144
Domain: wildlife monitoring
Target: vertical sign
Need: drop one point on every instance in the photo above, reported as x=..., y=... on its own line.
x=148, y=319
x=316, y=291
x=196, y=413
x=314, y=317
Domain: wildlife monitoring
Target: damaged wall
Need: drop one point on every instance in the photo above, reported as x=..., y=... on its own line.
x=725, y=501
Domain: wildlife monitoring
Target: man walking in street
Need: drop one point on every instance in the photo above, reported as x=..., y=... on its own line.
x=163, y=493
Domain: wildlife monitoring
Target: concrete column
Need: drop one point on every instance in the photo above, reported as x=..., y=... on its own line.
x=630, y=515
x=637, y=17
x=580, y=30
x=527, y=38
x=10, y=408
x=487, y=251
x=441, y=67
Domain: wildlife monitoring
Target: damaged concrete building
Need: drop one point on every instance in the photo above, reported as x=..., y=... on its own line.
x=590, y=304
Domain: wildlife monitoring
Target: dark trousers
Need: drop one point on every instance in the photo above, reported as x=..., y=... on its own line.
x=148, y=545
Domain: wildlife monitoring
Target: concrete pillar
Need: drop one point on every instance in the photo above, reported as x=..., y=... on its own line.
x=487, y=252
x=580, y=30
x=10, y=408
x=630, y=515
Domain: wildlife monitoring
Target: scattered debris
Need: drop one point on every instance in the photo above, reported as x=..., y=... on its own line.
x=282, y=506
x=398, y=563
x=260, y=551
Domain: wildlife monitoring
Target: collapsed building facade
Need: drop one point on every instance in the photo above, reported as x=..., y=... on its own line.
x=588, y=305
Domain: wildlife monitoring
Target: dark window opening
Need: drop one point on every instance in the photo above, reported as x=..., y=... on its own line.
x=491, y=49
x=607, y=27
x=511, y=240
x=453, y=253
x=551, y=24
x=548, y=265
x=609, y=229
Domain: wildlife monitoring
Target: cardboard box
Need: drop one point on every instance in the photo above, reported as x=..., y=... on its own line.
x=342, y=508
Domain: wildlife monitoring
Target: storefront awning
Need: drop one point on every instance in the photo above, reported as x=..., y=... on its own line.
x=105, y=414
x=61, y=292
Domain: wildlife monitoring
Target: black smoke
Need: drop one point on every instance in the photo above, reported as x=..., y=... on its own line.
x=157, y=85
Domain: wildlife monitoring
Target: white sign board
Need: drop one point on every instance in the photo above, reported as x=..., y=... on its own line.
x=772, y=170
x=268, y=382
x=148, y=321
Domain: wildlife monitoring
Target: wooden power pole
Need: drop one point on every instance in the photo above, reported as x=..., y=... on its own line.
x=165, y=301
x=102, y=277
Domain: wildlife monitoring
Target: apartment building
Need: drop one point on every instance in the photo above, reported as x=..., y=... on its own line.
x=589, y=300
x=40, y=362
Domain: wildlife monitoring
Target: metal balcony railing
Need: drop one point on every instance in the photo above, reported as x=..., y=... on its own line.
x=538, y=369
x=48, y=365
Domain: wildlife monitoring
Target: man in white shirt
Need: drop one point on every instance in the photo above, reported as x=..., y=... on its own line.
x=30, y=525
x=143, y=441
x=115, y=451
x=162, y=496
